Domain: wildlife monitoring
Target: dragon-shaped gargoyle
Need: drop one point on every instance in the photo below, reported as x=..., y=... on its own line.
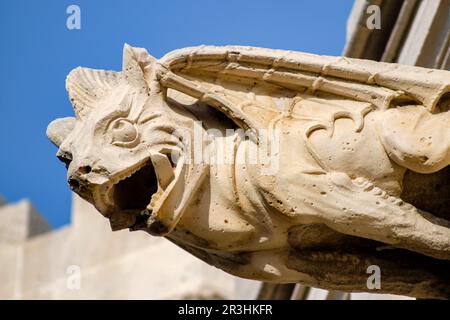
x=272, y=165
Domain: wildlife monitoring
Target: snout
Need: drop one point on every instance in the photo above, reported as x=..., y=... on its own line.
x=80, y=184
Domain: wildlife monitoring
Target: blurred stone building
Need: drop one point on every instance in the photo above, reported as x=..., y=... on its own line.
x=86, y=260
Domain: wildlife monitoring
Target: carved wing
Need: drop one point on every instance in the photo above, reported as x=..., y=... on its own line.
x=251, y=84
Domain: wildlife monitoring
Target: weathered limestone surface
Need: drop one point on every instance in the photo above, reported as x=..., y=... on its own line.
x=327, y=179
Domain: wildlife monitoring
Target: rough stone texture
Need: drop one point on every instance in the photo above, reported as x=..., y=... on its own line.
x=115, y=265
x=328, y=204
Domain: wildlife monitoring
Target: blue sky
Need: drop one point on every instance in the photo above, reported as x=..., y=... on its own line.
x=38, y=51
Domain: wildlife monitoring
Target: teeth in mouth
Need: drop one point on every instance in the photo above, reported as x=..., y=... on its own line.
x=125, y=192
x=116, y=180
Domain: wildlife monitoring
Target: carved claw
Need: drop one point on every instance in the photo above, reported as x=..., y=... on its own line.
x=365, y=210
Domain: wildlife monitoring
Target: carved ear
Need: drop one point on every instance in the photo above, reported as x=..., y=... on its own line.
x=137, y=65
x=86, y=86
x=59, y=129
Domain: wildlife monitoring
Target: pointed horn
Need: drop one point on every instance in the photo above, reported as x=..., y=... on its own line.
x=136, y=65
x=59, y=129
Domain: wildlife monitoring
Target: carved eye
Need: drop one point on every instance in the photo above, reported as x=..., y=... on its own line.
x=123, y=132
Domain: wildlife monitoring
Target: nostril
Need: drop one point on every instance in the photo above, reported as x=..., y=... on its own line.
x=64, y=157
x=85, y=169
x=74, y=184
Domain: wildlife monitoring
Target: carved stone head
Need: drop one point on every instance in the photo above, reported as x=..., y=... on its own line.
x=117, y=148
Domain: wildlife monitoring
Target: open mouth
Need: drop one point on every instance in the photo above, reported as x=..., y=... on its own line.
x=131, y=195
x=134, y=193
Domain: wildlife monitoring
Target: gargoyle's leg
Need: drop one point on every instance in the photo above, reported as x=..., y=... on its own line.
x=356, y=207
x=415, y=138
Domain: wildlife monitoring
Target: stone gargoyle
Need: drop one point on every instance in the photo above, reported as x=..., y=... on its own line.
x=272, y=165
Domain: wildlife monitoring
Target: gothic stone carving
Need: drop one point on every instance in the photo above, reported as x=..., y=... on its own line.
x=330, y=165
